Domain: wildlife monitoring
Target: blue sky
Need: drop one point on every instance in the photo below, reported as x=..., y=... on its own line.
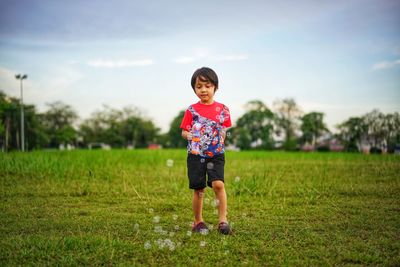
x=337, y=57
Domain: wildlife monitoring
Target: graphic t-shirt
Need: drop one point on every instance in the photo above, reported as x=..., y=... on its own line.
x=206, y=123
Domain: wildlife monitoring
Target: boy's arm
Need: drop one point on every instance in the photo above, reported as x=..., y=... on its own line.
x=187, y=135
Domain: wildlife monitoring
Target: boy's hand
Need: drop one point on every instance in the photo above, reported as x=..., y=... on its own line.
x=187, y=135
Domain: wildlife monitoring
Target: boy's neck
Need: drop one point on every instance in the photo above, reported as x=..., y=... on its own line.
x=207, y=103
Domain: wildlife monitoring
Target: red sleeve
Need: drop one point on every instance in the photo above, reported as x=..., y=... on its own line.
x=187, y=121
x=227, y=118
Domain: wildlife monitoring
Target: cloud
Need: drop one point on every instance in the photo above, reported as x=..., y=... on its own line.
x=100, y=63
x=385, y=65
x=233, y=57
x=184, y=60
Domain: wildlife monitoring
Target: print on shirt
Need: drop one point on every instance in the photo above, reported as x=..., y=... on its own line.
x=207, y=140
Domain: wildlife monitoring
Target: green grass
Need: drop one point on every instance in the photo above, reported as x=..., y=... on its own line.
x=97, y=208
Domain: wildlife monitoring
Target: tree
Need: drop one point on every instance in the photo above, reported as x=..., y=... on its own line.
x=312, y=127
x=352, y=132
x=254, y=127
x=287, y=117
x=59, y=121
x=10, y=117
x=119, y=128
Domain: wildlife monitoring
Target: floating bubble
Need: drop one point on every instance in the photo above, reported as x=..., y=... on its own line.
x=226, y=252
x=228, y=134
x=156, y=219
x=218, y=109
x=201, y=194
x=215, y=203
x=202, y=243
x=171, y=234
x=211, y=227
x=147, y=245
x=176, y=227
x=160, y=243
x=207, y=201
x=224, y=243
x=151, y=210
x=175, y=217
x=210, y=165
x=189, y=233
x=158, y=229
x=216, y=212
x=237, y=179
x=217, y=117
x=170, y=163
x=204, y=231
x=136, y=227
x=202, y=160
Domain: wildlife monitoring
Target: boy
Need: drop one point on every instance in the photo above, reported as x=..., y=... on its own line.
x=204, y=126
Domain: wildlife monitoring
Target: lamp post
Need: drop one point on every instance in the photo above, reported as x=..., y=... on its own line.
x=20, y=77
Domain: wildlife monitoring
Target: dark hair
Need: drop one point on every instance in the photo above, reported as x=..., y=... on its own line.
x=205, y=75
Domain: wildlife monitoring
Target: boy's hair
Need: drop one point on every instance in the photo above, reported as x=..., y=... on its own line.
x=205, y=75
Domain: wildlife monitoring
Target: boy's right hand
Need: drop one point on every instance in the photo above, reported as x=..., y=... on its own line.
x=187, y=135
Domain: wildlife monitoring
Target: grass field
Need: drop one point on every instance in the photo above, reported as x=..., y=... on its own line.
x=129, y=208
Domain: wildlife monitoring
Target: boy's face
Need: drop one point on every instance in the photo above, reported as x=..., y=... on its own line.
x=204, y=90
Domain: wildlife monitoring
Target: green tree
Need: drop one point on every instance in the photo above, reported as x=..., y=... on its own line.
x=254, y=127
x=287, y=115
x=352, y=132
x=312, y=127
x=59, y=122
x=10, y=116
x=119, y=128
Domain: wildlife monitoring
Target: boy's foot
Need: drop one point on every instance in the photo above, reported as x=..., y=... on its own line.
x=198, y=228
x=224, y=228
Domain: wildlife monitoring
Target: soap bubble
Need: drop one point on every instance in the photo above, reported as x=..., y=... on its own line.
x=218, y=109
x=215, y=203
x=202, y=243
x=216, y=212
x=147, y=245
x=176, y=227
x=228, y=134
x=171, y=234
x=211, y=227
x=151, y=210
x=170, y=163
x=156, y=219
x=204, y=231
x=202, y=160
x=175, y=217
x=237, y=179
x=136, y=227
x=210, y=165
x=189, y=233
x=158, y=229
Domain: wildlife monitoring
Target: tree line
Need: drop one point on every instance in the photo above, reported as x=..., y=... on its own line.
x=283, y=127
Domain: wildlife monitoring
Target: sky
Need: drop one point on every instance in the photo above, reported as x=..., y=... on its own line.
x=339, y=57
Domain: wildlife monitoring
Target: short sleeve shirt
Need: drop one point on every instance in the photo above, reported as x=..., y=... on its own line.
x=206, y=123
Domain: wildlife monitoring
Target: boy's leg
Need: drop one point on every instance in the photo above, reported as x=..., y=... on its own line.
x=198, y=205
x=219, y=189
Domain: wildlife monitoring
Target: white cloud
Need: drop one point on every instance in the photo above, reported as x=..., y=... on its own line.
x=385, y=65
x=101, y=63
x=184, y=60
x=233, y=57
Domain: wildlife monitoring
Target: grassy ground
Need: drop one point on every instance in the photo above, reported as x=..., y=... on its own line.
x=129, y=208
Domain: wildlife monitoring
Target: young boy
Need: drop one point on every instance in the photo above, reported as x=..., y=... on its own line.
x=204, y=126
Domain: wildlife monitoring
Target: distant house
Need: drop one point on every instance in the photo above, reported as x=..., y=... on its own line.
x=99, y=146
x=154, y=146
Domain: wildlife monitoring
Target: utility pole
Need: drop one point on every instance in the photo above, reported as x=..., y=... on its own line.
x=21, y=77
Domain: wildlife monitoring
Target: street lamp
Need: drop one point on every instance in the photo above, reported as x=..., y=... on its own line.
x=21, y=77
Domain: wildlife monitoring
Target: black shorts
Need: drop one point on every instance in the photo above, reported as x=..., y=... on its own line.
x=198, y=167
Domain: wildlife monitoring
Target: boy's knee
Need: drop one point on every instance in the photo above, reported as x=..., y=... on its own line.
x=218, y=185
